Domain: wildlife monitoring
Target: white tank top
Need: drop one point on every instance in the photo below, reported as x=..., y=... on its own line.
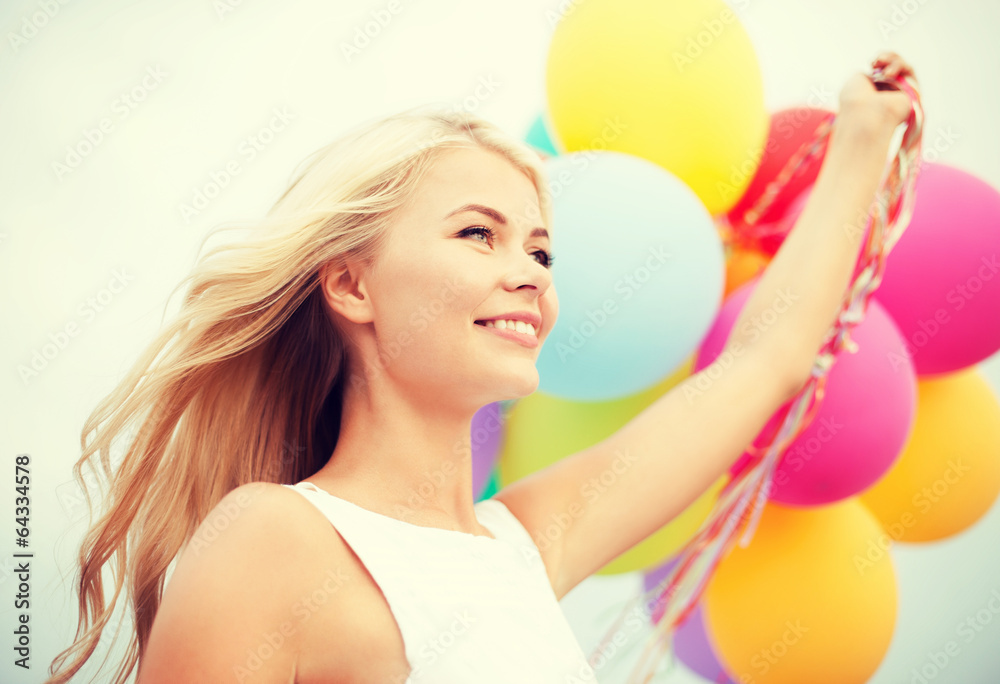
x=469, y=608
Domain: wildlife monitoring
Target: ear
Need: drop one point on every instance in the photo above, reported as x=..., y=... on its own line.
x=345, y=292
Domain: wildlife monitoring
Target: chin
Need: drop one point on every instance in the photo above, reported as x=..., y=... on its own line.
x=522, y=387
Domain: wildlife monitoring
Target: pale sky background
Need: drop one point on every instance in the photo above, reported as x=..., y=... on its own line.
x=215, y=73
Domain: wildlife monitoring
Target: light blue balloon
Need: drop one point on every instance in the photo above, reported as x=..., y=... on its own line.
x=639, y=272
x=538, y=137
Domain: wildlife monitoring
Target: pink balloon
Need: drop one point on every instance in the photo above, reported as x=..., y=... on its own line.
x=942, y=280
x=862, y=424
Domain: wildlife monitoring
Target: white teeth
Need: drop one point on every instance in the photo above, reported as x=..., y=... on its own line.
x=519, y=326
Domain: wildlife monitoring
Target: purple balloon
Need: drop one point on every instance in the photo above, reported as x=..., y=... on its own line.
x=486, y=432
x=692, y=645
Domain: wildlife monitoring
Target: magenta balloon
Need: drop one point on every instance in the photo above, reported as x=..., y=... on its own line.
x=942, y=279
x=486, y=432
x=862, y=425
x=692, y=645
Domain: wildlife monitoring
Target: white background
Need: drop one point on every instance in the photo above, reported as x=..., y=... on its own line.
x=225, y=69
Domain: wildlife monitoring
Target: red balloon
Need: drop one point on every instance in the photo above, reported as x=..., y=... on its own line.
x=790, y=129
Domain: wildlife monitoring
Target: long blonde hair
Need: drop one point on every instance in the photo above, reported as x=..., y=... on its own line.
x=246, y=383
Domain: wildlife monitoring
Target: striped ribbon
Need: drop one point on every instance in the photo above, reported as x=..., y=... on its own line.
x=742, y=500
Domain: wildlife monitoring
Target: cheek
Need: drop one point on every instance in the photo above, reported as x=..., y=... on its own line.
x=550, y=307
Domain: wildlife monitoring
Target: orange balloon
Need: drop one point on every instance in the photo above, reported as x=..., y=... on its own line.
x=948, y=475
x=794, y=606
x=743, y=265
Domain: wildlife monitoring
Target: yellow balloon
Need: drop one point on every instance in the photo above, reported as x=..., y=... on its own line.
x=793, y=606
x=541, y=429
x=676, y=82
x=948, y=475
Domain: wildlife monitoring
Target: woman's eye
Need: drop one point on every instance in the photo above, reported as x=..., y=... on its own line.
x=480, y=230
x=548, y=258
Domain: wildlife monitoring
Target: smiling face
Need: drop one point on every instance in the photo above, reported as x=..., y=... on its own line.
x=448, y=266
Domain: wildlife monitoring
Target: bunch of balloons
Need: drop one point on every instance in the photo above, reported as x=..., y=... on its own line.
x=658, y=145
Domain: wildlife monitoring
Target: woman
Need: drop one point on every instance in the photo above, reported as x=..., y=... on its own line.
x=402, y=282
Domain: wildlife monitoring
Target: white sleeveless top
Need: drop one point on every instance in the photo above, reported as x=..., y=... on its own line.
x=469, y=608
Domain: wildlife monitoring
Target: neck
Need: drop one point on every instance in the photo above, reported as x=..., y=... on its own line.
x=408, y=457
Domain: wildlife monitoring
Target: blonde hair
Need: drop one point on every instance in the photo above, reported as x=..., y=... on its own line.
x=246, y=383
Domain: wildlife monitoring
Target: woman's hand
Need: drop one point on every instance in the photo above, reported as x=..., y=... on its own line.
x=871, y=107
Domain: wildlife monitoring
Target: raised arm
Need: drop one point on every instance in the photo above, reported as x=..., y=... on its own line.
x=668, y=455
x=815, y=263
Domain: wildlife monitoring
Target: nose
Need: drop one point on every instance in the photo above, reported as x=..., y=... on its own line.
x=527, y=272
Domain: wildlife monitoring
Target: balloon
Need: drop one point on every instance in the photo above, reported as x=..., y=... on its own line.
x=677, y=83
x=486, y=431
x=539, y=138
x=790, y=129
x=791, y=607
x=949, y=473
x=862, y=424
x=640, y=276
x=542, y=429
x=941, y=282
x=492, y=485
x=691, y=644
x=743, y=265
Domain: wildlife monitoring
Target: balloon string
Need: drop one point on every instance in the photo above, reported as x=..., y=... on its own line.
x=741, y=501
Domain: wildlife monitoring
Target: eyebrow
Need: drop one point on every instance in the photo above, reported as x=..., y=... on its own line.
x=496, y=216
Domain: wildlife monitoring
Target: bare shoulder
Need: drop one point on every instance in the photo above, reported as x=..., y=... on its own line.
x=232, y=608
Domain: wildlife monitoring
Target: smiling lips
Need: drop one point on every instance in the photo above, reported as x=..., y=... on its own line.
x=517, y=331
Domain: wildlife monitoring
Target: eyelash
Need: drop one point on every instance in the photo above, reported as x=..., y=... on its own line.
x=479, y=230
